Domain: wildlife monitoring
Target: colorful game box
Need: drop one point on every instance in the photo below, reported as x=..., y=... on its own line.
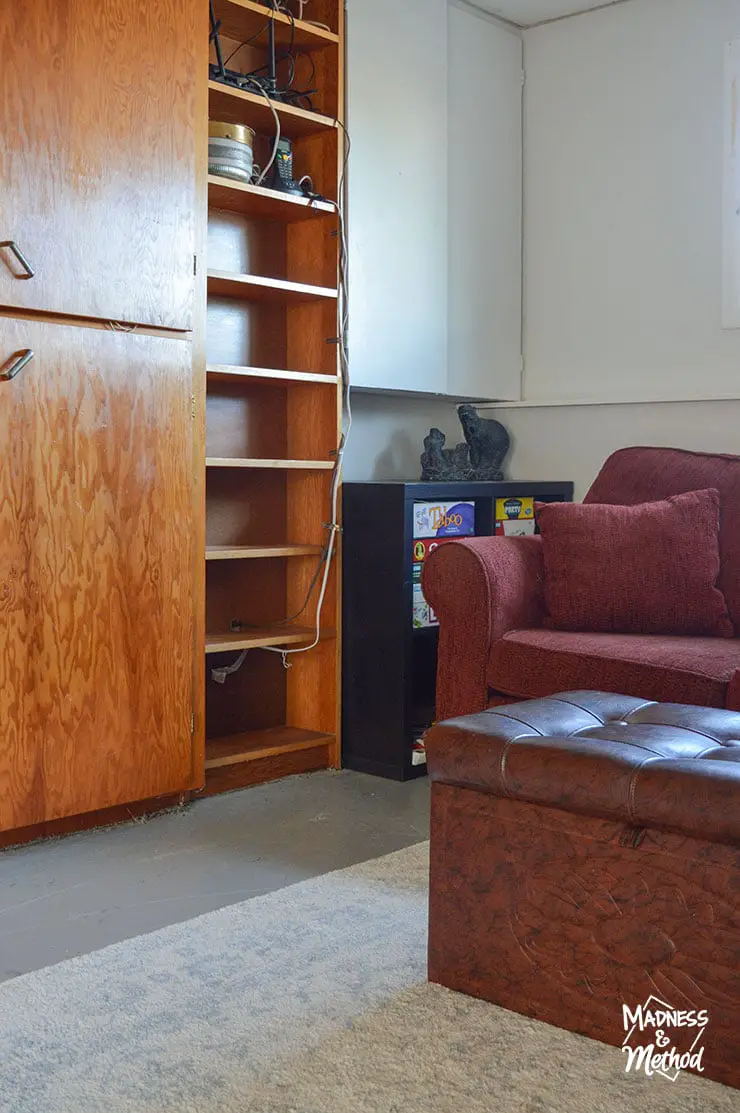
x=444, y=519
x=515, y=528
x=515, y=509
x=423, y=546
x=423, y=615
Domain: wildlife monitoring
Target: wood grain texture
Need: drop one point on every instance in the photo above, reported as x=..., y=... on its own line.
x=219, y=372
x=231, y=708
x=253, y=745
x=199, y=401
x=239, y=244
x=96, y=604
x=245, y=508
x=248, y=421
x=241, y=19
x=228, y=777
x=259, y=638
x=105, y=817
x=235, y=106
x=256, y=201
x=265, y=465
x=258, y=288
x=260, y=552
x=97, y=159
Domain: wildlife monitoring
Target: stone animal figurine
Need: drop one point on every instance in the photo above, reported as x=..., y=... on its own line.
x=444, y=465
x=488, y=442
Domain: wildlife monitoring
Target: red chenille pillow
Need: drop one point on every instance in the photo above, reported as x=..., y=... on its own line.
x=646, y=569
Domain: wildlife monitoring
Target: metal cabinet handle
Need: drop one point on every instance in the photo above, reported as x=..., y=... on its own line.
x=17, y=365
x=13, y=246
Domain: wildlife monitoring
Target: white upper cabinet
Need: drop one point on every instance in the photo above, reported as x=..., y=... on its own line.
x=485, y=206
x=397, y=120
x=434, y=95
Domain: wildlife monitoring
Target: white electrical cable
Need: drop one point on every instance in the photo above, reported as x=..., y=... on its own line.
x=278, y=132
x=334, y=526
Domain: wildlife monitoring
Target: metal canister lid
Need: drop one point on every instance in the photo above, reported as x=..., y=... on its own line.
x=239, y=133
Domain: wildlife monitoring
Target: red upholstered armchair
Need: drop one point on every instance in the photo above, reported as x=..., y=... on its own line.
x=487, y=593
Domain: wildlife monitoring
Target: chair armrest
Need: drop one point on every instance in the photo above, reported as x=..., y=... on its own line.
x=480, y=589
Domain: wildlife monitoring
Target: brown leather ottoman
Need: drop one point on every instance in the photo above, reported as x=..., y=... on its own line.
x=585, y=856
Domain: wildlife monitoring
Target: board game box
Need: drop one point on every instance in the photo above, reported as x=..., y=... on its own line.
x=423, y=615
x=515, y=528
x=515, y=509
x=423, y=546
x=444, y=519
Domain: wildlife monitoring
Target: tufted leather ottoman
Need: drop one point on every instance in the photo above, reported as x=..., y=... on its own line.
x=585, y=854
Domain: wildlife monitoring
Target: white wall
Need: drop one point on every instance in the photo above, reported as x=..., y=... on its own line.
x=623, y=233
x=387, y=437
x=572, y=442
x=623, y=204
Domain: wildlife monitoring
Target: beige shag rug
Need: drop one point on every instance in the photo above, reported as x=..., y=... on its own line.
x=309, y=1000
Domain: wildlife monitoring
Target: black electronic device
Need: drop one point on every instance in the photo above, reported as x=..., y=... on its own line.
x=218, y=71
x=280, y=176
x=265, y=78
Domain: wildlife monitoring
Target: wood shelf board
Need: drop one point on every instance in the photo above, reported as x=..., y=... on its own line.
x=266, y=204
x=236, y=106
x=258, y=288
x=227, y=778
x=278, y=465
x=260, y=552
x=262, y=637
x=243, y=19
x=254, y=745
x=220, y=372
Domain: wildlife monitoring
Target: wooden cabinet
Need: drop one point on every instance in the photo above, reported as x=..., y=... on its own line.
x=97, y=158
x=96, y=570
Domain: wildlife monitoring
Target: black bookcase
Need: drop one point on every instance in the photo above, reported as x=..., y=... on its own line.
x=388, y=666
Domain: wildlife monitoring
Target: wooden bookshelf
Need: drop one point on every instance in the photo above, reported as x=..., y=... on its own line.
x=272, y=390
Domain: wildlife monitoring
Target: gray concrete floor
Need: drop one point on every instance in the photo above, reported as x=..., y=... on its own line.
x=77, y=894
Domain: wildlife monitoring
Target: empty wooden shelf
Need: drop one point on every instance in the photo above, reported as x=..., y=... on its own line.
x=253, y=287
x=281, y=465
x=259, y=638
x=259, y=552
x=254, y=745
x=254, y=757
x=227, y=373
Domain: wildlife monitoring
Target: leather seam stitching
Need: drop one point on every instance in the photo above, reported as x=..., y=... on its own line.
x=502, y=769
x=633, y=786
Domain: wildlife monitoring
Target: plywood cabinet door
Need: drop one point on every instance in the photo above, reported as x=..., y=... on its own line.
x=97, y=157
x=96, y=570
